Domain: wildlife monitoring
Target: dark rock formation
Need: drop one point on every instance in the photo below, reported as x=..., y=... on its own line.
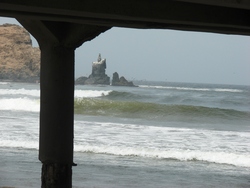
x=19, y=61
x=98, y=75
x=116, y=81
x=81, y=80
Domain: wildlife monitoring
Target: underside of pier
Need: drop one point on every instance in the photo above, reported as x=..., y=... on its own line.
x=60, y=26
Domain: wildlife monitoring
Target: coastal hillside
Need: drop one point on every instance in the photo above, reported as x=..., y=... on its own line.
x=19, y=61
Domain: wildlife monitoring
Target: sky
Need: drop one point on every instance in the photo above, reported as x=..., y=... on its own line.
x=166, y=55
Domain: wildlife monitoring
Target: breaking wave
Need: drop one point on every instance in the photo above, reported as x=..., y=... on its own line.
x=181, y=155
x=151, y=110
x=20, y=104
x=34, y=92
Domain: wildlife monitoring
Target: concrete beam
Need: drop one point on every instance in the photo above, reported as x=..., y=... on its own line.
x=222, y=16
x=242, y=4
x=63, y=33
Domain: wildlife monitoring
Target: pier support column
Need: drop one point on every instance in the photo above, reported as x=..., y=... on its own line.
x=58, y=41
x=56, y=115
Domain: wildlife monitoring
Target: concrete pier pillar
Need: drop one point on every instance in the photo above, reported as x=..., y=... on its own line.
x=56, y=175
x=56, y=115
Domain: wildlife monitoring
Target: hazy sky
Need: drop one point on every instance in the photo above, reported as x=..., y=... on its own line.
x=167, y=55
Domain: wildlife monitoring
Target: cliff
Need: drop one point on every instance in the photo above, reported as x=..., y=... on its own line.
x=19, y=61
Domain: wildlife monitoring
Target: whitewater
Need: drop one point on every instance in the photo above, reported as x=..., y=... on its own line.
x=156, y=135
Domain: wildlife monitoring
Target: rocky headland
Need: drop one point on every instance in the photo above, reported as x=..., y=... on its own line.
x=19, y=61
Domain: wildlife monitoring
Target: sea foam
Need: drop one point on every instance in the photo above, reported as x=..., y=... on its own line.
x=181, y=155
x=193, y=89
x=19, y=144
x=20, y=104
x=91, y=93
x=3, y=83
x=34, y=92
x=26, y=103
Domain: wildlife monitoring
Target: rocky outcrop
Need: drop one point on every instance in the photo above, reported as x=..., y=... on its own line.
x=19, y=61
x=81, y=80
x=98, y=75
x=116, y=81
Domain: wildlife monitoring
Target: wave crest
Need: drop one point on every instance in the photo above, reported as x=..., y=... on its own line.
x=20, y=104
x=152, y=110
x=181, y=155
x=33, y=92
x=193, y=88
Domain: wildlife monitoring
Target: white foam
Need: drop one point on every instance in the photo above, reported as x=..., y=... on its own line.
x=183, y=144
x=182, y=155
x=33, y=105
x=90, y=93
x=34, y=92
x=20, y=104
x=176, y=88
x=242, y=160
x=3, y=83
x=228, y=147
x=228, y=90
x=193, y=89
x=19, y=144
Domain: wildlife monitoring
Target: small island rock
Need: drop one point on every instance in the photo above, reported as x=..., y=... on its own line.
x=98, y=75
x=116, y=81
x=81, y=80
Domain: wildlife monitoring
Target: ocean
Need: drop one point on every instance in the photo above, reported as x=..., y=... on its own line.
x=157, y=135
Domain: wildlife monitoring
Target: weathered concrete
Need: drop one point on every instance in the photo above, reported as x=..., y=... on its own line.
x=57, y=104
x=56, y=175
